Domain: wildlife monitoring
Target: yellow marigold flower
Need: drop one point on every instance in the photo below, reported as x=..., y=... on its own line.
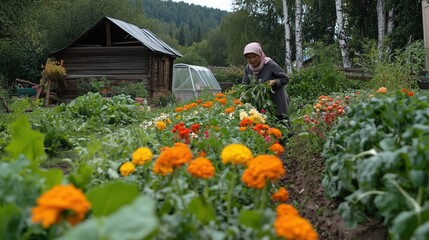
x=261, y=169
x=275, y=132
x=62, y=200
x=382, y=90
x=201, y=168
x=168, y=120
x=243, y=114
x=294, y=227
x=141, y=156
x=277, y=148
x=171, y=158
x=127, y=168
x=282, y=195
x=286, y=210
x=236, y=153
x=161, y=125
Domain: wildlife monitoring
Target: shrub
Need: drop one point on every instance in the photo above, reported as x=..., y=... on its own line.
x=132, y=89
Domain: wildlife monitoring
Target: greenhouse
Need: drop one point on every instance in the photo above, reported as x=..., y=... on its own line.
x=190, y=80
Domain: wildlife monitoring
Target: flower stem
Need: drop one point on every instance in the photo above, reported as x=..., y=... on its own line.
x=231, y=187
x=263, y=197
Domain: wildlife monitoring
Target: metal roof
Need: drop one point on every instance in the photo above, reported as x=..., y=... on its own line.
x=146, y=37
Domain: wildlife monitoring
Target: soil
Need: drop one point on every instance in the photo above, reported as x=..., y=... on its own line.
x=304, y=183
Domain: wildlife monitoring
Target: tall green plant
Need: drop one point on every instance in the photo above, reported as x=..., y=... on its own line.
x=395, y=70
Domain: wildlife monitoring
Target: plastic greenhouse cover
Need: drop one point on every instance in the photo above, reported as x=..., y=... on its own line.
x=192, y=77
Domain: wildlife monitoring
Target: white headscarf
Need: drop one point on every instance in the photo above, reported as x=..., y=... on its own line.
x=256, y=48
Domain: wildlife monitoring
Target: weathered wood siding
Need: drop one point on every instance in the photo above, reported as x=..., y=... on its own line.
x=118, y=64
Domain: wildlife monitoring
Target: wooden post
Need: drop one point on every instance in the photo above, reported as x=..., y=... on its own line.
x=48, y=93
x=425, y=14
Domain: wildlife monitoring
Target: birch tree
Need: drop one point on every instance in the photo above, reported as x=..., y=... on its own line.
x=298, y=33
x=288, y=61
x=381, y=24
x=341, y=34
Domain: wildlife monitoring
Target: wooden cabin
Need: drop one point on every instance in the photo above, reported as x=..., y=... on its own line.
x=120, y=52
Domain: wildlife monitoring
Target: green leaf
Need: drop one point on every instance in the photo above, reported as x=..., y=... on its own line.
x=422, y=232
x=26, y=141
x=135, y=221
x=251, y=218
x=52, y=177
x=202, y=209
x=9, y=221
x=81, y=176
x=108, y=198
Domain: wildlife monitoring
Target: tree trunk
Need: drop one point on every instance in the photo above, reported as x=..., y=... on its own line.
x=390, y=25
x=288, y=61
x=341, y=34
x=298, y=34
x=381, y=23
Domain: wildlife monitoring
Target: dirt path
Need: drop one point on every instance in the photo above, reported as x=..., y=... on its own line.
x=303, y=181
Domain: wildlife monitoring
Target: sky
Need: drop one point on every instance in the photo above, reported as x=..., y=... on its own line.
x=220, y=4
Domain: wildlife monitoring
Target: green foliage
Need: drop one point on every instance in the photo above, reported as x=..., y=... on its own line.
x=375, y=162
x=133, y=221
x=93, y=85
x=229, y=74
x=25, y=141
x=134, y=90
x=395, y=70
x=162, y=98
x=321, y=78
x=117, y=193
x=256, y=94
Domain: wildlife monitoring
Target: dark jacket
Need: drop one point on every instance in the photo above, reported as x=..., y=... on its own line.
x=271, y=71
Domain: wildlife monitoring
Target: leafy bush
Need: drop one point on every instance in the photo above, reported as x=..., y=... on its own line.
x=132, y=89
x=94, y=85
x=321, y=78
x=376, y=163
x=395, y=70
x=228, y=74
x=162, y=98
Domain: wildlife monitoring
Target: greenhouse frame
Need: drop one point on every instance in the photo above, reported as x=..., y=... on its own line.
x=189, y=81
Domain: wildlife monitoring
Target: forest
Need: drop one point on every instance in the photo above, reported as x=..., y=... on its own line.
x=30, y=29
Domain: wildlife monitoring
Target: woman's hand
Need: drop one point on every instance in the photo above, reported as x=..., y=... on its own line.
x=272, y=83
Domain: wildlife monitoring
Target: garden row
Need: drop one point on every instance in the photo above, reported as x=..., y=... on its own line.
x=205, y=170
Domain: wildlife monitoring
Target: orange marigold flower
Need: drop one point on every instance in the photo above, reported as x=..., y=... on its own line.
x=404, y=90
x=127, y=168
x=282, y=195
x=207, y=104
x=237, y=102
x=410, y=94
x=62, y=200
x=275, y=132
x=221, y=101
x=201, y=168
x=179, y=109
x=220, y=95
x=277, y=148
x=161, y=125
x=236, y=153
x=243, y=128
x=285, y=209
x=246, y=122
x=172, y=158
x=230, y=109
x=261, y=169
x=294, y=227
x=202, y=153
x=142, y=155
x=382, y=90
